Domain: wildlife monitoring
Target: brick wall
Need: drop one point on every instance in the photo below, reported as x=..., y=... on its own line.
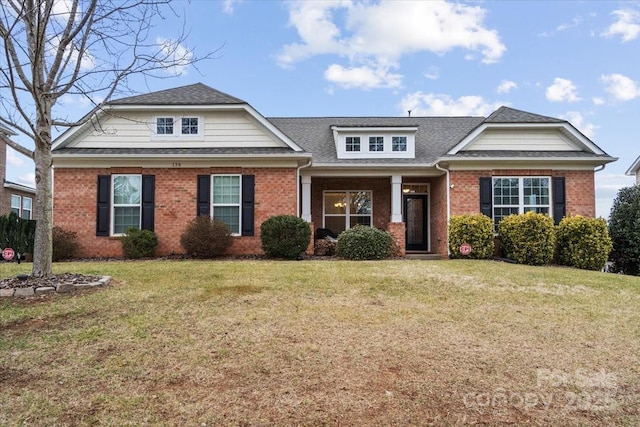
x=5, y=198
x=580, y=189
x=175, y=204
x=439, y=224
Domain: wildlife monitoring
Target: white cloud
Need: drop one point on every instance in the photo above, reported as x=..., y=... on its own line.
x=177, y=57
x=362, y=77
x=378, y=34
x=598, y=101
x=579, y=122
x=228, y=5
x=621, y=87
x=432, y=73
x=13, y=158
x=627, y=25
x=430, y=104
x=562, y=90
x=567, y=25
x=506, y=86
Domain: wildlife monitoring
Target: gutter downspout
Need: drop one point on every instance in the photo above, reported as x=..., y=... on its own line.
x=446, y=171
x=298, y=195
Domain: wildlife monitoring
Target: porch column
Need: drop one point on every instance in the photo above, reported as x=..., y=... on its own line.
x=306, y=197
x=396, y=198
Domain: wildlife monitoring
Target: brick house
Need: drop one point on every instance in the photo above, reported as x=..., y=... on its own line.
x=634, y=170
x=13, y=196
x=157, y=160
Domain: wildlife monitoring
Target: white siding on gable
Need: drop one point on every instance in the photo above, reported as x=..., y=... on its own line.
x=137, y=130
x=522, y=140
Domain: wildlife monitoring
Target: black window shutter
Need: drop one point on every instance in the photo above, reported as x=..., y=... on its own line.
x=248, y=195
x=486, y=197
x=103, y=209
x=148, y=201
x=204, y=196
x=559, y=199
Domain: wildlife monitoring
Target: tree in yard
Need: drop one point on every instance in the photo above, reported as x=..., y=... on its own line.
x=66, y=48
x=624, y=229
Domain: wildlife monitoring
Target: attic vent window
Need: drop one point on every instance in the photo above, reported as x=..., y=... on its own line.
x=164, y=125
x=177, y=127
x=352, y=143
x=376, y=143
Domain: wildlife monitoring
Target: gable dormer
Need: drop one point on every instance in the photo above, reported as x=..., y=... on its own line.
x=373, y=142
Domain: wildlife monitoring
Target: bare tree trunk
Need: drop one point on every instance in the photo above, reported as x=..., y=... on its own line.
x=43, y=248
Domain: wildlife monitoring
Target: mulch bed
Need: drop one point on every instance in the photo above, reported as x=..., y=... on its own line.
x=54, y=280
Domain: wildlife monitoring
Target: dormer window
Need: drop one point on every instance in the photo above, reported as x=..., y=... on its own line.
x=399, y=143
x=376, y=143
x=352, y=143
x=177, y=126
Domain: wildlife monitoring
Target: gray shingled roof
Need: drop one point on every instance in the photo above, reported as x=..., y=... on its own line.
x=511, y=115
x=195, y=94
x=434, y=137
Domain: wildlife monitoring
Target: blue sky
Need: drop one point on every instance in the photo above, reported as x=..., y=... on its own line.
x=577, y=60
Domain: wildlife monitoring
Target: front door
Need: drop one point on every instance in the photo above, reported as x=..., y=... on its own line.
x=416, y=220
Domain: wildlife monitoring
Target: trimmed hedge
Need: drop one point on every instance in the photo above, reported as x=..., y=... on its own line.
x=624, y=229
x=583, y=242
x=138, y=243
x=362, y=242
x=475, y=230
x=527, y=238
x=17, y=233
x=285, y=236
x=206, y=237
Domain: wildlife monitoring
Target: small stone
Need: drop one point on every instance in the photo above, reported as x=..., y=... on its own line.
x=45, y=289
x=65, y=287
x=24, y=292
x=80, y=286
x=6, y=293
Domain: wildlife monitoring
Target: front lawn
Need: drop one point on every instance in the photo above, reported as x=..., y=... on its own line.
x=324, y=343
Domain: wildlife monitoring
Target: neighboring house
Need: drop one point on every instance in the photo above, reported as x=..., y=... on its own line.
x=157, y=160
x=635, y=170
x=13, y=196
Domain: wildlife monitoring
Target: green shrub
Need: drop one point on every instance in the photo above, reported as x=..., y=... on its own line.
x=138, y=243
x=285, y=236
x=363, y=242
x=17, y=233
x=476, y=230
x=527, y=238
x=624, y=229
x=65, y=244
x=583, y=242
x=206, y=237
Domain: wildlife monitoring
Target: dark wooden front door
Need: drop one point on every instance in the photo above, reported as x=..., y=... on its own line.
x=417, y=222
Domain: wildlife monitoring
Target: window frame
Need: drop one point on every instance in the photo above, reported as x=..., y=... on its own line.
x=355, y=142
x=213, y=204
x=395, y=142
x=177, y=127
x=113, y=205
x=19, y=206
x=347, y=214
x=377, y=142
x=522, y=206
x=24, y=209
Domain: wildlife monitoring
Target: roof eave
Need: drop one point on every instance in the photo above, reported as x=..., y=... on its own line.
x=635, y=167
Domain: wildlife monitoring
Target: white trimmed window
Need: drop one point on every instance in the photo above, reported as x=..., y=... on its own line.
x=516, y=195
x=376, y=143
x=345, y=209
x=27, y=203
x=399, y=143
x=177, y=126
x=16, y=203
x=226, y=200
x=352, y=143
x=22, y=206
x=126, y=202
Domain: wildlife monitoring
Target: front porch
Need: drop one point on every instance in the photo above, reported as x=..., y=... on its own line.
x=412, y=208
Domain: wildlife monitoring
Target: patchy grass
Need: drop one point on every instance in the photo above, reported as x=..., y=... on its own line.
x=324, y=343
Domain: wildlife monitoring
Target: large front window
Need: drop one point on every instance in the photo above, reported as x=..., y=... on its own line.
x=226, y=200
x=516, y=195
x=127, y=198
x=345, y=209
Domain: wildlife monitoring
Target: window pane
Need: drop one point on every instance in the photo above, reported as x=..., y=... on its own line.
x=352, y=143
x=376, y=143
x=164, y=125
x=15, y=202
x=190, y=126
x=26, y=203
x=337, y=224
x=506, y=191
x=359, y=220
x=536, y=191
x=499, y=213
x=226, y=189
x=360, y=203
x=125, y=217
x=335, y=203
x=399, y=143
x=230, y=215
x=127, y=189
